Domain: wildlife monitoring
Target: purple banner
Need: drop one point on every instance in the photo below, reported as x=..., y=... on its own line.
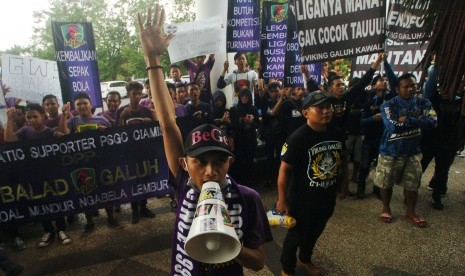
x=47, y=178
x=403, y=57
x=292, y=74
x=243, y=32
x=77, y=60
x=273, y=40
x=406, y=26
x=335, y=29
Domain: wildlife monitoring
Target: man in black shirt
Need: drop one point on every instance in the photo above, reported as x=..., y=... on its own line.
x=315, y=156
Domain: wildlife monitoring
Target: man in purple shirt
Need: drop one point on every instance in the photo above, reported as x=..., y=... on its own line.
x=36, y=129
x=135, y=114
x=113, y=101
x=199, y=72
x=201, y=160
x=85, y=121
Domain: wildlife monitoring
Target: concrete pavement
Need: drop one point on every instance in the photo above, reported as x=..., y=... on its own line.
x=355, y=242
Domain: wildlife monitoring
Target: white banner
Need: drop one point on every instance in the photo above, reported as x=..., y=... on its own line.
x=30, y=79
x=196, y=38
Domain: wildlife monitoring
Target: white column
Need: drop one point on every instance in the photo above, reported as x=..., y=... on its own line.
x=210, y=8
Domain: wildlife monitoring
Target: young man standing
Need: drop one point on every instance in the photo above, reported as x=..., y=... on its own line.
x=36, y=129
x=243, y=77
x=315, y=156
x=51, y=106
x=399, y=161
x=85, y=121
x=113, y=101
x=135, y=114
x=200, y=161
x=199, y=72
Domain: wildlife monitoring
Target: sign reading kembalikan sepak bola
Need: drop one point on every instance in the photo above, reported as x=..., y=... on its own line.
x=47, y=178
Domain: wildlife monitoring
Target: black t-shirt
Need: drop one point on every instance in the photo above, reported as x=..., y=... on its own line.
x=292, y=116
x=315, y=157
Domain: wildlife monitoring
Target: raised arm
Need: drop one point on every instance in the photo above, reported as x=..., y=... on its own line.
x=9, y=135
x=63, y=123
x=221, y=83
x=154, y=42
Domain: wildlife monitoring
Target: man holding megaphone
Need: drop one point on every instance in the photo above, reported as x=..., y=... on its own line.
x=211, y=204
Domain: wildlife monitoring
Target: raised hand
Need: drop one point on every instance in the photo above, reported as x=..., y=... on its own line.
x=152, y=38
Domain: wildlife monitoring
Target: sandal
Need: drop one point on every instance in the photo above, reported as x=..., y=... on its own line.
x=418, y=221
x=385, y=217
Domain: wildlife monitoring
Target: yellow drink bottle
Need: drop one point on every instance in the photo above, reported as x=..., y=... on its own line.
x=275, y=218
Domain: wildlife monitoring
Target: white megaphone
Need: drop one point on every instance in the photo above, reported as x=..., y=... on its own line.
x=212, y=238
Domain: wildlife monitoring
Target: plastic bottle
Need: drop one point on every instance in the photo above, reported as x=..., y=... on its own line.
x=275, y=218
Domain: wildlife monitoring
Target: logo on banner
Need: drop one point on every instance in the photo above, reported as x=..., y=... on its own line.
x=84, y=180
x=73, y=35
x=279, y=13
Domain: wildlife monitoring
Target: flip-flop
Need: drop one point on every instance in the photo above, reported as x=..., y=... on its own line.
x=418, y=221
x=385, y=217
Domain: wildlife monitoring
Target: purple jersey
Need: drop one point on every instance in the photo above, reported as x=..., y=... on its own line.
x=28, y=133
x=79, y=124
x=247, y=215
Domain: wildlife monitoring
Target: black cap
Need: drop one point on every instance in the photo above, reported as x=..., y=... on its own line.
x=316, y=98
x=206, y=138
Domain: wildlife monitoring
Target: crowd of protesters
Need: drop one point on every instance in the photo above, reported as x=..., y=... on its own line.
x=372, y=111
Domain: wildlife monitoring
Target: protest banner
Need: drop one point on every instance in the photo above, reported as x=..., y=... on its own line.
x=77, y=60
x=403, y=57
x=292, y=74
x=339, y=28
x=52, y=177
x=273, y=40
x=406, y=26
x=243, y=32
x=30, y=79
x=197, y=38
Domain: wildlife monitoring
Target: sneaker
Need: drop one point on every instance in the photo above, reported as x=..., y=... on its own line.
x=437, y=204
x=18, y=244
x=173, y=205
x=135, y=218
x=64, y=239
x=16, y=270
x=46, y=239
x=145, y=212
x=113, y=223
x=461, y=154
x=2, y=246
x=430, y=188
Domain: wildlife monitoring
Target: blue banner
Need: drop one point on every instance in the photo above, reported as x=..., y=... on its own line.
x=77, y=60
x=292, y=74
x=243, y=32
x=47, y=178
x=273, y=40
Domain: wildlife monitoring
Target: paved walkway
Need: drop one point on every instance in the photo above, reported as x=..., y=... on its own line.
x=355, y=242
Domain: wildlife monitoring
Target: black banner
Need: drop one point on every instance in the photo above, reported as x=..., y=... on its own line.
x=339, y=28
x=403, y=57
x=46, y=178
x=406, y=26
